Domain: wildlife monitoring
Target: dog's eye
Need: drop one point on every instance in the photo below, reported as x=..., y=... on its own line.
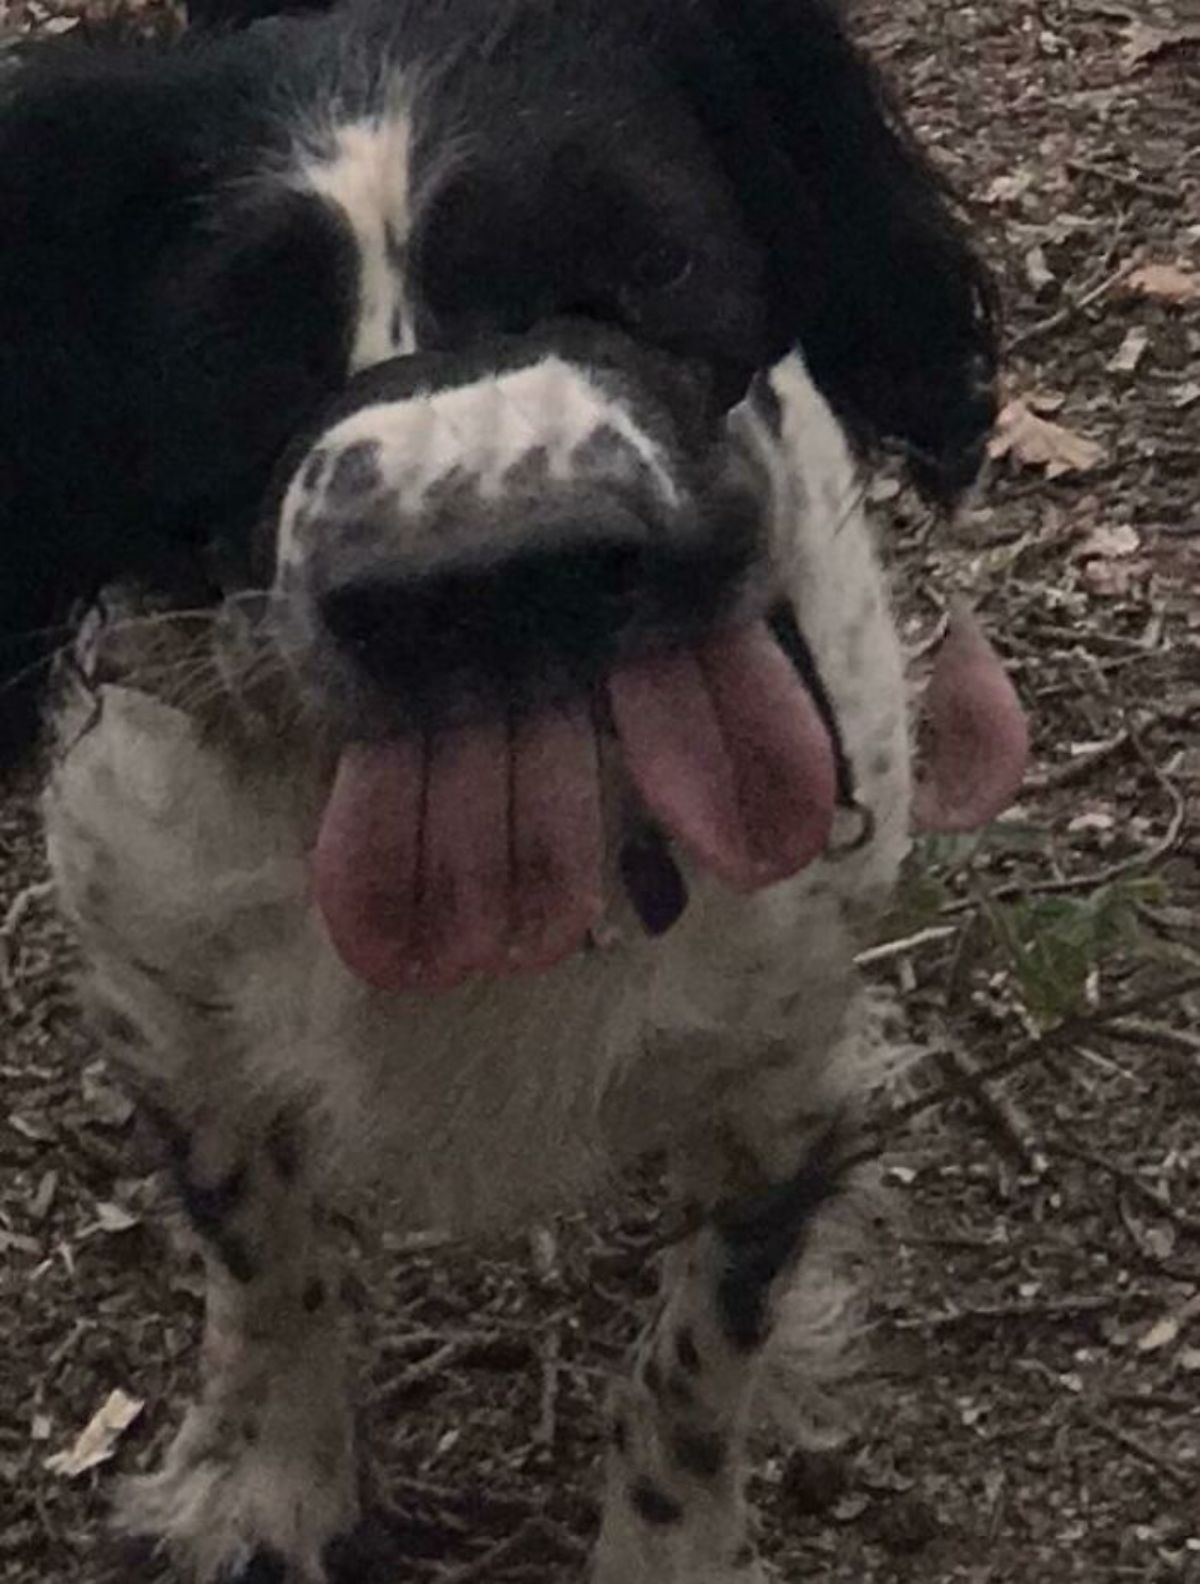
x=662, y=267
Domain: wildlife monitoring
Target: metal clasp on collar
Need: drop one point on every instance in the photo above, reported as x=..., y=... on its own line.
x=853, y=828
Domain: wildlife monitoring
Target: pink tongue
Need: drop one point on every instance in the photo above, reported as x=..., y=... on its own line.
x=481, y=850
x=728, y=751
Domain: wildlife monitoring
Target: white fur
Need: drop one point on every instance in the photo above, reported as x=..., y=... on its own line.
x=476, y=434
x=365, y=172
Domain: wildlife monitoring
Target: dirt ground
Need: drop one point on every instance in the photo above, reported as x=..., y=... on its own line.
x=1033, y=1376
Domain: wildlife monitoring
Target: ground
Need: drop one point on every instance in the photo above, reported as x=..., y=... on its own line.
x=1034, y=1353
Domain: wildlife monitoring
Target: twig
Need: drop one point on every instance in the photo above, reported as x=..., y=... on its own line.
x=1094, y=878
x=1135, y=1444
x=1049, y=1309
x=1139, y=1001
x=502, y=1551
x=424, y=1369
x=1139, y=1031
x=544, y=1433
x=1130, y=1179
x=1123, y=1438
x=22, y=903
x=887, y=950
x=13, y=919
x=1011, y=1129
x=1068, y=1032
x=1077, y=769
x=1075, y=306
x=1127, y=183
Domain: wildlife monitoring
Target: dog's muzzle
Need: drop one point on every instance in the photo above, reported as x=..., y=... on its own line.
x=515, y=568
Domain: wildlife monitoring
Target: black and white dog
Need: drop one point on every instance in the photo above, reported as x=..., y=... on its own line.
x=487, y=724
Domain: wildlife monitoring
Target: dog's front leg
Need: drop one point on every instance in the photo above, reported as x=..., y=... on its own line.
x=674, y=1508
x=261, y=1478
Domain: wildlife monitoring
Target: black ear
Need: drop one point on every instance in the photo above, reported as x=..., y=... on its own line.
x=868, y=269
x=154, y=347
x=88, y=193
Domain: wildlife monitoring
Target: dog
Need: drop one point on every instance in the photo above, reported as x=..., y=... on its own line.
x=484, y=731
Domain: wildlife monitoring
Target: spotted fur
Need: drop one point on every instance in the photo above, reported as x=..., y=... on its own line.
x=410, y=294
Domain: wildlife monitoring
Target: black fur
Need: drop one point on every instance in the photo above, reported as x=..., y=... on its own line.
x=726, y=180
x=654, y=1506
x=764, y=1234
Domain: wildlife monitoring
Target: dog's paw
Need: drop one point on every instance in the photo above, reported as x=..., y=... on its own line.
x=250, y=1497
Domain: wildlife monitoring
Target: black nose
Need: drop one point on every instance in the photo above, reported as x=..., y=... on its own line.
x=541, y=619
x=545, y=621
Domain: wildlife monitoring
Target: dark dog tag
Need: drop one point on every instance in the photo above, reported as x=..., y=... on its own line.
x=653, y=881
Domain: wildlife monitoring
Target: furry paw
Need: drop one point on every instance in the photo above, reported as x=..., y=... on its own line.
x=256, y=1493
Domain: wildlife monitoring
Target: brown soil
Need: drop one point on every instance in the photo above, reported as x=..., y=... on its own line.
x=1035, y=1357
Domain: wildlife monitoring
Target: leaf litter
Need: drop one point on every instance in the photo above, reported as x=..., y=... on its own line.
x=1052, y=1309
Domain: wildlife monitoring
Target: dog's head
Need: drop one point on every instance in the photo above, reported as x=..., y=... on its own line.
x=445, y=319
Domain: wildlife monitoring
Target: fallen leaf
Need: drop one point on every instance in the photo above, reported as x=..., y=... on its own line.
x=1008, y=189
x=1037, y=272
x=1110, y=543
x=1036, y=442
x=1091, y=820
x=1143, y=41
x=109, y=1104
x=97, y=1441
x=1185, y=395
x=1130, y=353
x=43, y=1196
x=18, y=1240
x=1166, y=1328
x=1164, y=283
x=849, y=1508
x=35, y=1128
x=882, y=490
x=113, y=1217
x=1113, y=579
x=1045, y=401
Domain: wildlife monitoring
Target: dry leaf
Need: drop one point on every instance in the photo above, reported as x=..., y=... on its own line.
x=1113, y=579
x=1036, y=442
x=1129, y=354
x=107, y=1103
x=43, y=1196
x=1165, y=283
x=1037, y=272
x=1143, y=42
x=1166, y=1329
x=1185, y=395
x=35, y=1128
x=1045, y=401
x=1091, y=820
x=1116, y=542
x=113, y=1217
x=18, y=1240
x=97, y=1441
x=1008, y=189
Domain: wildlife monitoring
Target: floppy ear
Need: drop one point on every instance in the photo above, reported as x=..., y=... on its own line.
x=144, y=392
x=868, y=270
x=86, y=192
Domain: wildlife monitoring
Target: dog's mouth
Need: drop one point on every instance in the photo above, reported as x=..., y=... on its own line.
x=479, y=849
